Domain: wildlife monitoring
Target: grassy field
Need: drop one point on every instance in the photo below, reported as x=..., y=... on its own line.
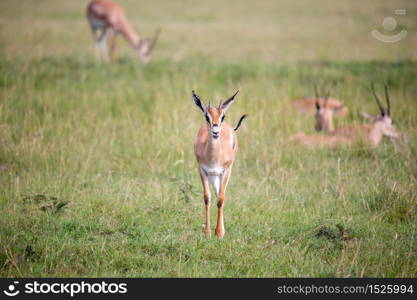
x=97, y=171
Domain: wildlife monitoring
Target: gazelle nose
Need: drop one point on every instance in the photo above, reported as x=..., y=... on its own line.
x=215, y=130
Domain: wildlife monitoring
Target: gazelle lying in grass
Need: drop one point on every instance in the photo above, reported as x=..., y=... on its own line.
x=215, y=149
x=370, y=133
x=308, y=105
x=325, y=112
x=107, y=19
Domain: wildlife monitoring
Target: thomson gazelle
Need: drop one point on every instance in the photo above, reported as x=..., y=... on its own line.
x=107, y=19
x=215, y=149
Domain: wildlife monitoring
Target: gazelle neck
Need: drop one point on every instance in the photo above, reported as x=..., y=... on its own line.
x=375, y=134
x=328, y=127
x=130, y=35
x=213, y=147
x=133, y=40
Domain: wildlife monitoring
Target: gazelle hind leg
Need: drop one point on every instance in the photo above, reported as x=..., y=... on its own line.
x=220, y=203
x=207, y=202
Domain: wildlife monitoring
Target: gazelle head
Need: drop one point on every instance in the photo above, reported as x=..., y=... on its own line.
x=324, y=113
x=383, y=122
x=145, y=47
x=214, y=115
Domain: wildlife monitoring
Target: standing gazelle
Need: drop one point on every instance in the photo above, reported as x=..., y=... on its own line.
x=215, y=149
x=110, y=19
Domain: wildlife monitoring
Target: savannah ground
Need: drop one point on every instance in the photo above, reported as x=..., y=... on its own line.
x=97, y=171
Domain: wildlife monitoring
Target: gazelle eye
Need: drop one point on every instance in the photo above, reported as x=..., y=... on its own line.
x=223, y=117
x=207, y=119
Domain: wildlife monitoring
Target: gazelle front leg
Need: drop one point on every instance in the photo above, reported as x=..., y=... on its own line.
x=97, y=50
x=112, y=42
x=101, y=44
x=207, y=201
x=220, y=202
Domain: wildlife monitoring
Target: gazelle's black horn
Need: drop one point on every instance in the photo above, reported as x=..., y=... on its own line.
x=327, y=95
x=378, y=101
x=388, y=100
x=329, y=89
x=155, y=38
x=316, y=94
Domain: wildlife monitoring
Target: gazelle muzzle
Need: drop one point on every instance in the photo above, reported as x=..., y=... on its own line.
x=215, y=131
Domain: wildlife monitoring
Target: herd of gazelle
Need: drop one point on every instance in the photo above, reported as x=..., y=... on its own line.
x=216, y=143
x=380, y=126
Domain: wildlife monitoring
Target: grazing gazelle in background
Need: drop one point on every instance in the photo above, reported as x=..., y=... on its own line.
x=215, y=149
x=308, y=105
x=370, y=133
x=107, y=19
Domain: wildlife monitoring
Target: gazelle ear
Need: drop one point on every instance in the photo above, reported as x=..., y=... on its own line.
x=367, y=116
x=152, y=42
x=316, y=94
x=199, y=103
x=378, y=101
x=337, y=108
x=228, y=102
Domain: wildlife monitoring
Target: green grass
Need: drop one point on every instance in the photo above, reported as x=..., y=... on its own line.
x=98, y=175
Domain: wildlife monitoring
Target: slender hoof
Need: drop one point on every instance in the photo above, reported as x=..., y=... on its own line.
x=220, y=233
